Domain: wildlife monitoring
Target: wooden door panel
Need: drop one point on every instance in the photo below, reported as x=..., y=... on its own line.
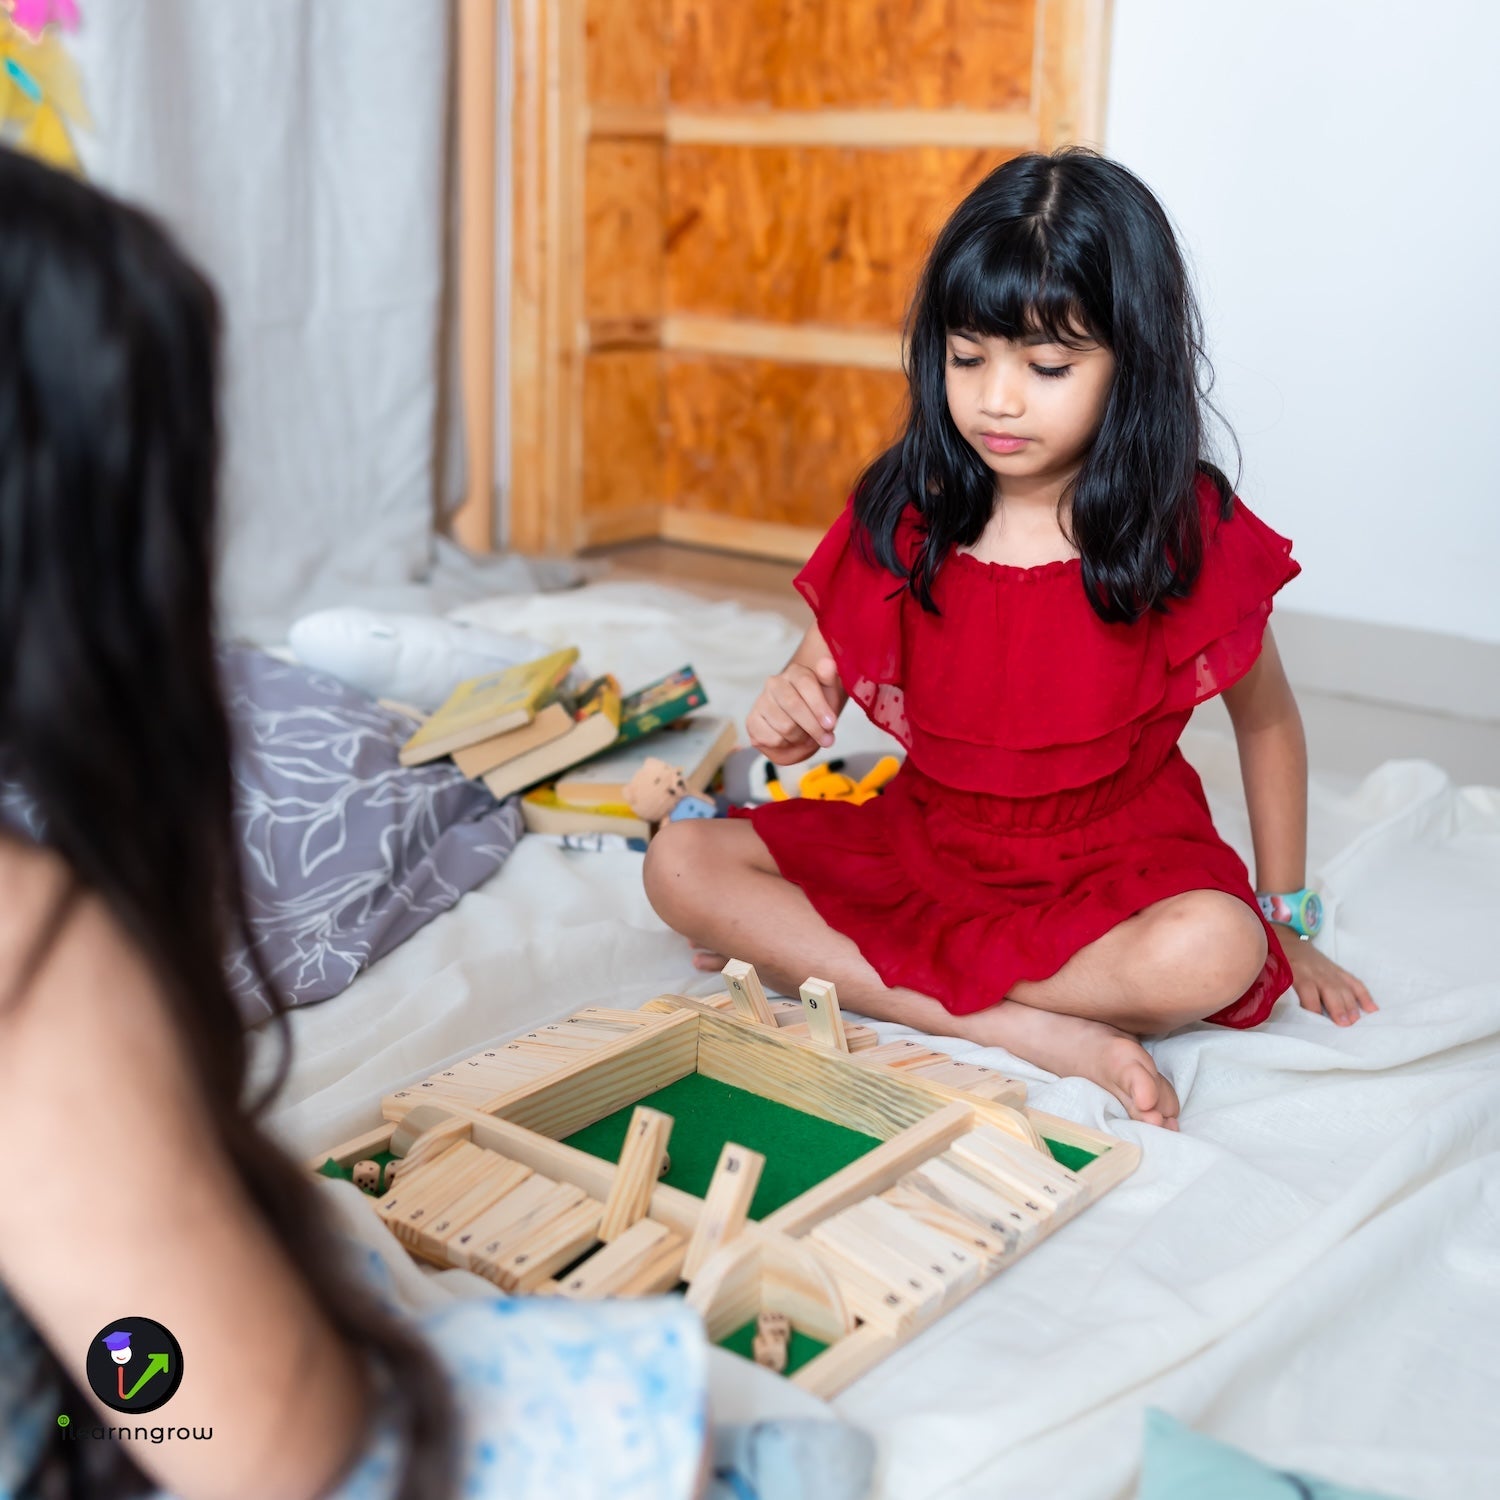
x=626, y=52
x=807, y=234
x=721, y=211
x=820, y=54
x=763, y=440
x=624, y=206
x=623, y=458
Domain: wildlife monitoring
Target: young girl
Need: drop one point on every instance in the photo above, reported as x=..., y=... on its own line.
x=1032, y=590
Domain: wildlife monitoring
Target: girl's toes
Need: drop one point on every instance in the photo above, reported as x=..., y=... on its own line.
x=709, y=963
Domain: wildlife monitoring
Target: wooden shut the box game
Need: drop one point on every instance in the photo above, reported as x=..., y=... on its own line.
x=821, y=1197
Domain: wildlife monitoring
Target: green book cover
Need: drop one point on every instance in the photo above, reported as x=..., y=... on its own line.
x=660, y=703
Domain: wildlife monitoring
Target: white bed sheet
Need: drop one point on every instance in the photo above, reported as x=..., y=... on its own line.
x=1311, y=1269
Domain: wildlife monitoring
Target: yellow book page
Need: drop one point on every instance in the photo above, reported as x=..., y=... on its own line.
x=515, y=693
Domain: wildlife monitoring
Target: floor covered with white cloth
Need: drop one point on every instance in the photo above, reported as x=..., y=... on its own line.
x=1310, y=1269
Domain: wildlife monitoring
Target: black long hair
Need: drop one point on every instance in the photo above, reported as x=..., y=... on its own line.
x=1074, y=247
x=110, y=715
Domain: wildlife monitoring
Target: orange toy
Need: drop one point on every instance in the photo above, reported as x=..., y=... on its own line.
x=826, y=782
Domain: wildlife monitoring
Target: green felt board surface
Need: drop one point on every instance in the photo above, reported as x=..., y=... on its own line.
x=800, y=1149
x=1074, y=1158
x=799, y=1350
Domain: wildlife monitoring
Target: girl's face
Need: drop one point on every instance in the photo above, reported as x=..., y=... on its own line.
x=1029, y=409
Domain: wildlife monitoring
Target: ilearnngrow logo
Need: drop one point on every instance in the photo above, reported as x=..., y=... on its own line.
x=134, y=1365
x=76, y=1434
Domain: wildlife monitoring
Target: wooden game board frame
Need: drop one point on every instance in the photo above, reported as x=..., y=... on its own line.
x=768, y=1265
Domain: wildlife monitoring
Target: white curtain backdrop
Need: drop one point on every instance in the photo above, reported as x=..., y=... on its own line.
x=297, y=149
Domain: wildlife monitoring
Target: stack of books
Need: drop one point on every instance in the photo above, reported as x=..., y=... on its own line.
x=573, y=752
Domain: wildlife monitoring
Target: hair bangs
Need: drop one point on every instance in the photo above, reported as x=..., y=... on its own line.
x=1007, y=284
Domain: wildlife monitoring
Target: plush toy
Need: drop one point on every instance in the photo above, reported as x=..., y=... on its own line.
x=828, y=782
x=750, y=778
x=655, y=790
x=698, y=807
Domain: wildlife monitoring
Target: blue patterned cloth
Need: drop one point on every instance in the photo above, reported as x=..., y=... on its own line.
x=557, y=1401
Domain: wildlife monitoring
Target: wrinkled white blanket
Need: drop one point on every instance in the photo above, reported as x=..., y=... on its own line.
x=1311, y=1269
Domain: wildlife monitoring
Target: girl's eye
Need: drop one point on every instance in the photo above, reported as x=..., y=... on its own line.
x=1052, y=372
x=965, y=362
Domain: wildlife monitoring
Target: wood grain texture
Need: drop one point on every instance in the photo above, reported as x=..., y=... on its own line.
x=773, y=442
x=624, y=457
x=927, y=54
x=623, y=208
x=627, y=51
x=797, y=234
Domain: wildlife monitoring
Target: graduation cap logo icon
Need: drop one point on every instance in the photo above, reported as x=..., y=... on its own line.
x=134, y=1364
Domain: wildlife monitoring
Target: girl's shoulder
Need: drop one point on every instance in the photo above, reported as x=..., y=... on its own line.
x=36, y=886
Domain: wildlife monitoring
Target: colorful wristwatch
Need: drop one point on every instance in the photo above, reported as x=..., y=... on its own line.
x=1302, y=910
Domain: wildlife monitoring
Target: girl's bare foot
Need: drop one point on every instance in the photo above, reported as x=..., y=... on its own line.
x=1072, y=1047
x=710, y=963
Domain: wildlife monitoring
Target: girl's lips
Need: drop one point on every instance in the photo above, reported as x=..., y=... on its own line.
x=998, y=442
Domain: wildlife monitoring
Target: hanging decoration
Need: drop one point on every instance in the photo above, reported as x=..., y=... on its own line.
x=41, y=99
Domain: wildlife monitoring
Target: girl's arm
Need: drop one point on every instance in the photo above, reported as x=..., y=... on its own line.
x=1273, y=766
x=799, y=706
x=115, y=1201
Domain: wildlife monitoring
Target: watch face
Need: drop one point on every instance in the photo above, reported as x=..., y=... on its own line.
x=1312, y=913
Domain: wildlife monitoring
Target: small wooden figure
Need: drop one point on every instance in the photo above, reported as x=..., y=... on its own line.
x=367, y=1176
x=773, y=1332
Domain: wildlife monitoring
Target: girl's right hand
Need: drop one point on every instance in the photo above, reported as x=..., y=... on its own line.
x=796, y=712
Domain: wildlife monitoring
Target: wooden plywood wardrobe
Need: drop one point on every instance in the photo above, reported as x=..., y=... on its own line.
x=720, y=211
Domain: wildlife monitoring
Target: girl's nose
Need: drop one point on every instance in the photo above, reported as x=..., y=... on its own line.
x=1001, y=396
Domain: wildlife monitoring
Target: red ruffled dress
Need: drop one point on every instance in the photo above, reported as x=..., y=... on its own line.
x=1044, y=798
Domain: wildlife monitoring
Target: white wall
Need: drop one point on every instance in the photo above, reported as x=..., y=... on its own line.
x=1334, y=167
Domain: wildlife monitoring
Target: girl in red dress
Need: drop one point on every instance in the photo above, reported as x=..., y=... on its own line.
x=1031, y=590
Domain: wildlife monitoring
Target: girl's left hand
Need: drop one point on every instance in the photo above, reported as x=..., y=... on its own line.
x=1322, y=986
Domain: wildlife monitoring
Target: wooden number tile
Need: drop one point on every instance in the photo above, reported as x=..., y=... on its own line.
x=635, y=1019
x=846, y=1235
x=494, y=1236
x=868, y=1295
x=1041, y=1164
x=993, y=1211
x=1020, y=1172
x=503, y=1177
x=860, y=1038
x=552, y=1244
x=726, y=1204
x=425, y=1191
x=1022, y=1207
x=661, y=1273
x=536, y=1195
x=900, y=1055
x=747, y=992
x=458, y=1090
x=558, y=1035
x=825, y=1022
x=787, y=1013
x=617, y=1264
x=636, y=1175
x=601, y=1031
x=957, y=1267
x=991, y=1247
x=959, y=1075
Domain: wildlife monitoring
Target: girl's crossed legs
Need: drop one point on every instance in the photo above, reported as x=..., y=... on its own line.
x=1177, y=961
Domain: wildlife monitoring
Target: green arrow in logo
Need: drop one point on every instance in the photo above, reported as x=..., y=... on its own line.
x=157, y=1362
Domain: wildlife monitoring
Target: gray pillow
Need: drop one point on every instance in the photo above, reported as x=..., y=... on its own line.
x=345, y=853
